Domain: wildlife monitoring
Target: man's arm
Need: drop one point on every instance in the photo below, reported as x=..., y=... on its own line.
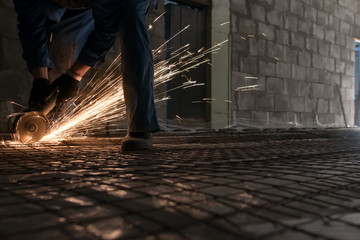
x=32, y=33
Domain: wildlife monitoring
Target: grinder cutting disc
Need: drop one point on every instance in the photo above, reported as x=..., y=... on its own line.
x=31, y=127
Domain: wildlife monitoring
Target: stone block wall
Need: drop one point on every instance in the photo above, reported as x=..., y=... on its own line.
x=297, y=51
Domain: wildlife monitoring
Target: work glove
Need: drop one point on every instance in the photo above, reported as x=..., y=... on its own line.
x=67, y=89
x=39, y=92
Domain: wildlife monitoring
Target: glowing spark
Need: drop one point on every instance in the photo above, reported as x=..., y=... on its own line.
x=251, y=36
x=248, y=88
x=156, y=19
x=150, y=27
x=243, y=38
x=209, y=99
x=228, y=101
x=224, y=23
x=51, y=37
x=251, y=77
x=277, y=59
x=264, y=35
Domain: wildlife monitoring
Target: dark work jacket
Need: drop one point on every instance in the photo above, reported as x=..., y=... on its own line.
x=33, y=16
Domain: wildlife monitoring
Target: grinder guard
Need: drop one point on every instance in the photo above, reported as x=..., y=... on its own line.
x=31, y=126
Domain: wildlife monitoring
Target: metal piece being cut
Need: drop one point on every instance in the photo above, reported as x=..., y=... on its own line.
x=31, y=127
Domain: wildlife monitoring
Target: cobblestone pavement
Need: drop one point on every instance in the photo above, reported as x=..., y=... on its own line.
x=274, y=184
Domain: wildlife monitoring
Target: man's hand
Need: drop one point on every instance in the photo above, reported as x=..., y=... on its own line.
x=67, y=89
x=39, y=93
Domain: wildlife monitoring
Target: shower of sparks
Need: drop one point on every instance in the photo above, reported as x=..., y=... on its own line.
x=101, y=102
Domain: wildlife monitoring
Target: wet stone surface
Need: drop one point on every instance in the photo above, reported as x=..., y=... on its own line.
x=278, y=184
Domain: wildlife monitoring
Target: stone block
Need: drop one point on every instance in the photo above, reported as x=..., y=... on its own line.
x=304, y=58
x=340, y=39
x=310, y=105
x=322, y=18
x=298, y=72
x=247, y=26
x=282, y=36
x=335, y=79
x=11, y=54
x=325, y=77
x=335, y=106
x=8, y=24
x=318, y=31
x=329, y=7
x=245, y=101
x=318, y=4
x=330, y=36
x=307, y=119
x=350, y=42
x=15, y=85
x=239, y=6
x=267, y=68
x=258, y=12
x=268, y=30
x=297, y=8
x=297, y=104
x=346, y=81
x=7, y=4
x=248, y=64
x=275, y=50
x=329, y=64
x=281, y=103
x=304, y=89
x=282, y=5
x=257, y=47
x=322, y=106
x=297, y=40
x=312, y=75
x=329, y=92
x=238, y=43
x=311, y=44
x=242, y=118
x=326, y=119
x=260, y=119
x=317, y=90
x=350, y=69
x=339, y=66
x=283, y=70
x=324, y=48
x=305, y=26
x=277, y=119
x=275, y=17
x=345, y=54
x=274, y=85
x=344, y=27
x=335, y=51
x=310, y=13
x=290, y=87
x=291, y=22
x=290, y=55
x=318, y=61
x=235, y=61
x=265, y=102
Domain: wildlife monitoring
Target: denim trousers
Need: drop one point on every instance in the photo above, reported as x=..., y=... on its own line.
x=67, y=37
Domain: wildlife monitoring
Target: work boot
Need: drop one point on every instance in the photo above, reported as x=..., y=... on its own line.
x=137, y=141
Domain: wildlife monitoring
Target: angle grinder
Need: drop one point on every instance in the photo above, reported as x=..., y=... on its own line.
x=31, y=126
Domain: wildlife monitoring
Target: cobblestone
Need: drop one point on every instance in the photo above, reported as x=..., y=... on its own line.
x=251, y=185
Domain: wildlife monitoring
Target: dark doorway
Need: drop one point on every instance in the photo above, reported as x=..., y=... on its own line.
x=186, y=104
